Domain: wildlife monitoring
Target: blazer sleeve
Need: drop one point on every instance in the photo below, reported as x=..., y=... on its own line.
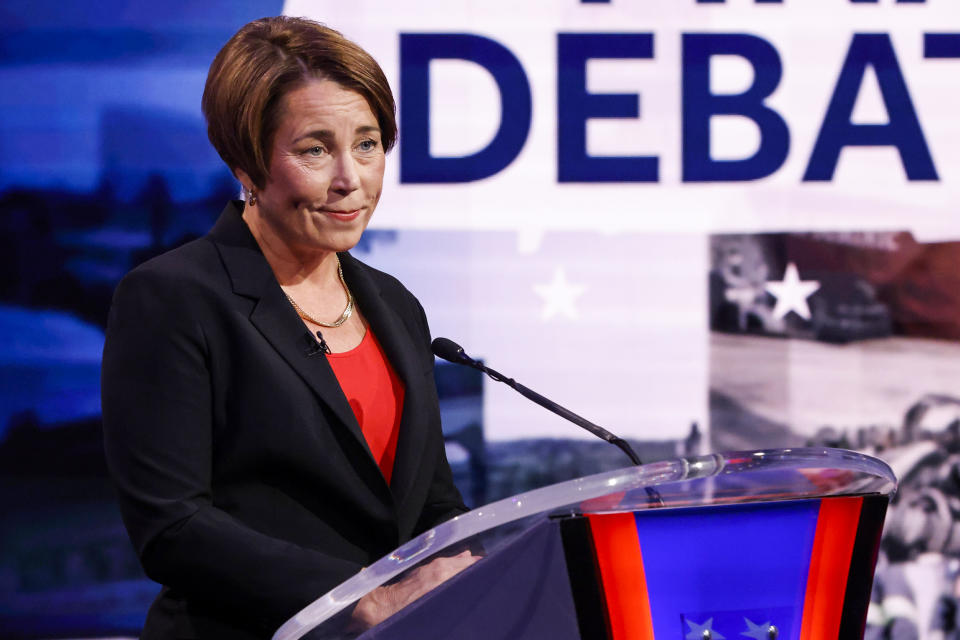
x=157, y=419
x=443, y=499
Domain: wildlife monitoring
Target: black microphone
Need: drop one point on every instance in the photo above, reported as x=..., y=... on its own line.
x=448, y=350
x=452, y=352
x=315, y=347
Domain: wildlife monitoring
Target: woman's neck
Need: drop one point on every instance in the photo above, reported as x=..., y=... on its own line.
x=291, y=265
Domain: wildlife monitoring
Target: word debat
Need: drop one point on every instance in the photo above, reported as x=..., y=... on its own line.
x=575, y=105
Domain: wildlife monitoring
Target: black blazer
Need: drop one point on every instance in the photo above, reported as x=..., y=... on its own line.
x=244, y=480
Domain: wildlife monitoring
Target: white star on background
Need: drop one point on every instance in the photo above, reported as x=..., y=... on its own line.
x=792, y=293
x=697, y=631
x=756, y=631
x=559, y=296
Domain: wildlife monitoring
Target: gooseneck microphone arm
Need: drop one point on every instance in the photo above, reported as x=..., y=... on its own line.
x=452, y=352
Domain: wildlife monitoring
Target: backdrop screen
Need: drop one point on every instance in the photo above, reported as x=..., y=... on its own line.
x=703, y=224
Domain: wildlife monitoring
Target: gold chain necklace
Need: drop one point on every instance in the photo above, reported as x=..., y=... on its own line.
x=343, y=316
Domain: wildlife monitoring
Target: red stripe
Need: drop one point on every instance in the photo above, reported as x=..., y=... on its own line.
x=829, y=567
x=621, y=572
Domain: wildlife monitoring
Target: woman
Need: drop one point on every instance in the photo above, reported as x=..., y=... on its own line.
x=258, y=465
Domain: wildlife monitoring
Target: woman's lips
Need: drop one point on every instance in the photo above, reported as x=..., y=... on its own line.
x=345, y=216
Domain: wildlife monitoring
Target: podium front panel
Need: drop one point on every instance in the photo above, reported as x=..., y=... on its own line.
x=788, y=570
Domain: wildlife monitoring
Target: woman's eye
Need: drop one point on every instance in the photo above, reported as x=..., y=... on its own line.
x=316, y=150
x=367, y=145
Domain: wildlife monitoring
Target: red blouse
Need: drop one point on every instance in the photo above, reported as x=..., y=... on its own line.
x=375, y=394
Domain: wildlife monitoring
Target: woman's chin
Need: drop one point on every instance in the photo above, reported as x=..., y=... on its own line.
x=340, y=241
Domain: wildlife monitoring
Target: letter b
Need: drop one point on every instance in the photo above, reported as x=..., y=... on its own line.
x=699, y=104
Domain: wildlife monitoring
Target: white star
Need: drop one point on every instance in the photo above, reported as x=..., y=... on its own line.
x=757, y=631
x=703, y=631
x=559, y=296
x=792, y=293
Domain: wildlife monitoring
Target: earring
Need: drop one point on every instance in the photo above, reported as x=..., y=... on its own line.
x=252, y=198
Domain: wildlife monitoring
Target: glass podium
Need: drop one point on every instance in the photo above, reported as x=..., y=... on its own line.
x=760, y=544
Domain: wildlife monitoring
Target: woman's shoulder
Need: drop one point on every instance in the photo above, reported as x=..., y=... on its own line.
x=193, y=259
x=180, y=273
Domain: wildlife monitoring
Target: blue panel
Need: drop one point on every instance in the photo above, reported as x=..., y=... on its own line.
x=733, y=564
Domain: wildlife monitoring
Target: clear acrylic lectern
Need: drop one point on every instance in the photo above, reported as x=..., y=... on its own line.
x=775, y=544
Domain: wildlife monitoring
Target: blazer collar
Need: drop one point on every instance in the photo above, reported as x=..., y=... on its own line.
x=384, y=320
x=249, y=272
x=394, y=330
x=251, y=276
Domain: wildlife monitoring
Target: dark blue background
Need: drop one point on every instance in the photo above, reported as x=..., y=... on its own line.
x=104, y=162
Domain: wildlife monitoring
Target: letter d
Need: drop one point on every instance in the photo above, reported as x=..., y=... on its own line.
x=416, y=52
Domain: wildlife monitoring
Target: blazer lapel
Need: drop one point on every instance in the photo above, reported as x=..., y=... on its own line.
x=395, y=338
x=272, y=315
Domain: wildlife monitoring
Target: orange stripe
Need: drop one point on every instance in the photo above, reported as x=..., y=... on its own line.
x=829, y=567
x=621, y=571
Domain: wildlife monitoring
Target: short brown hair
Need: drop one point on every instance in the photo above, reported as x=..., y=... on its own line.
x=265, y=60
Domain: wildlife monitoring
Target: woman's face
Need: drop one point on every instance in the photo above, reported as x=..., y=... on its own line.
x=326, y=169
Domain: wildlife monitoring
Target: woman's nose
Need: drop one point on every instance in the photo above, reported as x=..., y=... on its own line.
x=346, y=176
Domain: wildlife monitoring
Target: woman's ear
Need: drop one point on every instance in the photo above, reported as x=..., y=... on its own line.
x=249, y=191
x=245, y=180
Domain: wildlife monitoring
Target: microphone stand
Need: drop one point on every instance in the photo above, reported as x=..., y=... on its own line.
x=452, y=352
